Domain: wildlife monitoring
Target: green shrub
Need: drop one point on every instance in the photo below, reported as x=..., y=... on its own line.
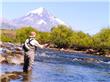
x=23, y=33
x=60, y=34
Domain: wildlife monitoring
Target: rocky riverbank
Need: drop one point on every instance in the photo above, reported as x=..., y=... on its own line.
x=86, y=51
x=11, y=53
x=6, y=77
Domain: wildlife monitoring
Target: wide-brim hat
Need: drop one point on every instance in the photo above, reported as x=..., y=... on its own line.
x=32, y=34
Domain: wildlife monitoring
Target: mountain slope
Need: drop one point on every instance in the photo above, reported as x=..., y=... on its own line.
x=39, y=18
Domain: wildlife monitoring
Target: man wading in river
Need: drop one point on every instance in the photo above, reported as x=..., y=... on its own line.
x=29, y=48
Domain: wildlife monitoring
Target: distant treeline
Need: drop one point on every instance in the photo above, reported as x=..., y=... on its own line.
x=61, y=37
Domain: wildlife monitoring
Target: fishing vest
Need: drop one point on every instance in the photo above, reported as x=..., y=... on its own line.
x=29, y=45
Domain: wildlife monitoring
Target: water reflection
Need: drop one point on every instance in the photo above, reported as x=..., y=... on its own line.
x=27, y=77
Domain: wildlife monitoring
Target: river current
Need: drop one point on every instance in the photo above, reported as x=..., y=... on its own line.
x=57, y=66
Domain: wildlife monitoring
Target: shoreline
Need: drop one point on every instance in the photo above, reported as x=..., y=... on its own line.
x=18, y=49
x=87, y=51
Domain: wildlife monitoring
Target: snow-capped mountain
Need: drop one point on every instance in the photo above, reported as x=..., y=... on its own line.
x=39, y=18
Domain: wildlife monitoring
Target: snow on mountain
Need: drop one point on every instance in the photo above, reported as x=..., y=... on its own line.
x=39, y=18
x=42, y=22
x=38, y=11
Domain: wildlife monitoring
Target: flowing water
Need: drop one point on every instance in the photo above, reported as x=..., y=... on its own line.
x=56, y=66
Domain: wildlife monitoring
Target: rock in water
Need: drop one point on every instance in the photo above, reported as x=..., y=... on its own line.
x=2, y=58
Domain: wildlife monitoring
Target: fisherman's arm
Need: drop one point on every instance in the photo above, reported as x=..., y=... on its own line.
x=34, y=42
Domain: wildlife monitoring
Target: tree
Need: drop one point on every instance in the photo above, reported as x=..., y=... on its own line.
x=102, y=39
x=45, y=37
x=73, y=40
x=23, y=33
x=60, y=35
x=85, y=40
x=8, y=35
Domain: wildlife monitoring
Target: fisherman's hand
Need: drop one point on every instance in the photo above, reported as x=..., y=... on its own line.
x=46, y=45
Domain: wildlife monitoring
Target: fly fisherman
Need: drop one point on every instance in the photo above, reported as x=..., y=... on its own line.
x=29, y=51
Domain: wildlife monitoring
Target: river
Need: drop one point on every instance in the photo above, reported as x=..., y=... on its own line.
x=57, y=66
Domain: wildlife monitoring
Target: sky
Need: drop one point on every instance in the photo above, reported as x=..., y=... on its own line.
x=87, y=16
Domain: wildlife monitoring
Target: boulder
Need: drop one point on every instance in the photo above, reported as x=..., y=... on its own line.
x=2, y=58
x=107, y=55
x=18, y=48
x=16, y=59
x=91, y=51
x=10, y=76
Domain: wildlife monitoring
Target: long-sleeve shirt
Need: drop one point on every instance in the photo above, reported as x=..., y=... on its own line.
x=33, y=42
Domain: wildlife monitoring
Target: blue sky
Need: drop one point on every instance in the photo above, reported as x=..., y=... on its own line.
x=89, y=17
